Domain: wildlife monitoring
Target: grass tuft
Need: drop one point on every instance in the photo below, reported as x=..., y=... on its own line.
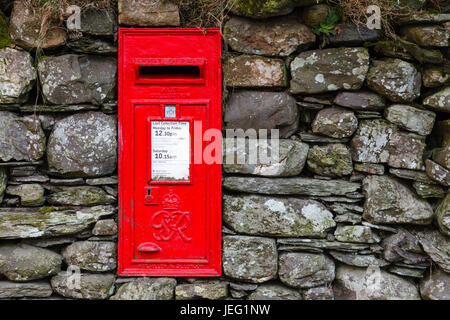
x=391, y=11
x=203, y=13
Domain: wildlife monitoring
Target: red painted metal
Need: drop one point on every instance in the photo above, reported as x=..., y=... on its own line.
x=168, y=228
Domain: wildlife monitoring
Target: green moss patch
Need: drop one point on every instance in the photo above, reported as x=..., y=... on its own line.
x=5, y=39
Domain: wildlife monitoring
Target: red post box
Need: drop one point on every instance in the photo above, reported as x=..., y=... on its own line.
x=170, y=217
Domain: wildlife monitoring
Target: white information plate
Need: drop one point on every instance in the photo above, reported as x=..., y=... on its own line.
x=170, y=150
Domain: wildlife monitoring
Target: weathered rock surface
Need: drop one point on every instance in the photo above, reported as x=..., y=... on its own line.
x=439, y=101
x=252, y=259
x=372, y=284
x=434, y=76
x=91, y=255
x=348, y=217
x=437, y=173
x=290, y=161
x=22, y=223
x=274, y=292
x=23, y=262
x=91, y=286
x=262, y=110
x=358, y=234
x=23, y=171
x=426, y=190
x=311, y=244
x=318, y=293
x=287, y=186
x=153, y=13
x=37, y=178
x=72, y=79
x=341, y=208
x=368, y=114
x=105, y=227
x=371, y=141
x=26, y=139
x=266, y=8
x=406, y=271
x=248, y=71
x=437, y=246
x=90, y=45
x=325, y=70
x=427, y=35
x=409, y=51
x=426, y=17
x=53, y=108
x=98, y=22
x=211, y=290
x=112, y=180
x=66, y=182
x=17, y=75
x=435, y=286
x=240, y=290
x=36, y=289
x=352, y=35
x=83, y=144
x=50, y=242
x=358, y=260
x=395, y=79
x=31, y=195
x=25, y=29
x=80, y=196
x=403, y=247
x=442, y=156
x=379, y=141
x=277, y=37
x=333, y=160
x=316, y=138
x=363, y=100
x=391, y=202
x=146, y=289
x=305, y=270
x=443, y=215
x=335, y=122
x=371, y=168
x=406, y=150
x=410, y=118
x=411, y=175
x=284, y=217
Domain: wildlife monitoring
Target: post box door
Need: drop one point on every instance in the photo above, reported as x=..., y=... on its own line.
x=170, y=225
x=169, y=205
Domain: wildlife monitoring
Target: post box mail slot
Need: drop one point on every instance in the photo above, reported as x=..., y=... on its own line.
x=170, y=217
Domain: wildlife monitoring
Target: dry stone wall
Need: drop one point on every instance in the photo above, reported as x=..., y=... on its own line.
x=357, y=207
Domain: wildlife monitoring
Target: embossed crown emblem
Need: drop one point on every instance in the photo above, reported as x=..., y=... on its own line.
x=171, y=201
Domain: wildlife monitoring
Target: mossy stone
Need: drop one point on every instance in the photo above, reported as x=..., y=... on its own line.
x=332, y=160
x=443, y=215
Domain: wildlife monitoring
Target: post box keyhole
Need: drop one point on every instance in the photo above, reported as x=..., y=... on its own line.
x=151, y=195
